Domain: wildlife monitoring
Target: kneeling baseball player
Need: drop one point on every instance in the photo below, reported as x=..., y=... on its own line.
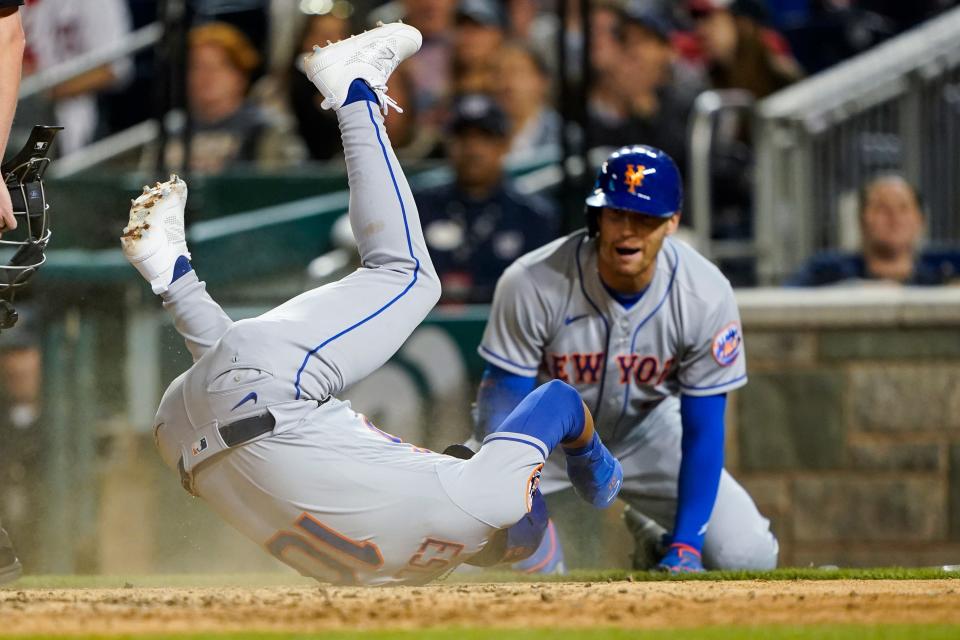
x=253, y=426
x=648, y=332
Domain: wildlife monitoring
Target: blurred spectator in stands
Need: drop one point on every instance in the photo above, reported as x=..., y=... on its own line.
x=60, y=32
x=229, y=129
x=900, y=14
x=317, y=128
x=522, y=17
x=523, y=91
x=126, y=107
x=479, y=33
x=739, y=52
x=891, y=228
x=824, y=32
x=476, y=226
x=429, y=70
x=535, y=23
x=251, y=17
x=657, y=90
x=411, y=142
x=606, y=104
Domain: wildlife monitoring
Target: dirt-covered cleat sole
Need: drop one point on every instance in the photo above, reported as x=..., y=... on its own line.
x=370, y=56
x=155, y=236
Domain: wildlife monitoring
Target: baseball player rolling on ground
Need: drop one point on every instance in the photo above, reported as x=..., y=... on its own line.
x=648, y=331
x=253, y=426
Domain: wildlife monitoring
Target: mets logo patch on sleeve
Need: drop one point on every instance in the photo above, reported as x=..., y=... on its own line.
x=727, y=344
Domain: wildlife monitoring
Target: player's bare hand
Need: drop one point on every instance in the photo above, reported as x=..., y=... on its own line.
x=7, y=220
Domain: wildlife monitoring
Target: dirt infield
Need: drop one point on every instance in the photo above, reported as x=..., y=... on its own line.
x=651, y=605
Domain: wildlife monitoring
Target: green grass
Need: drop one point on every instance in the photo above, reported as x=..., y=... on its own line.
x=831, y=632
x=885, y=573
x=291, y=580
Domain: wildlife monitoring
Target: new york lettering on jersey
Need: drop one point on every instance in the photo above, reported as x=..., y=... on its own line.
x=682, y=336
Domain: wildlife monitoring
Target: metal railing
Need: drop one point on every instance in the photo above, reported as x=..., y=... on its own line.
x=106, y=149
x=131, y=43
x=705, y=117
x=893, y=108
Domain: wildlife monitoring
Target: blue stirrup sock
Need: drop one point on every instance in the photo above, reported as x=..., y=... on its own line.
x=359, y=91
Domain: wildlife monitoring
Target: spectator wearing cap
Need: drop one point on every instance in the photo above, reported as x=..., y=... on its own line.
x=480, y=31
x=656, y=90
x=523, y=89
x=738, y=50
x=228, y=128
x=478, y=224
x=891, y=228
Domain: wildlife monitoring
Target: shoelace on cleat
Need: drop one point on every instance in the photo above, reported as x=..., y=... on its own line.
x=385, y=100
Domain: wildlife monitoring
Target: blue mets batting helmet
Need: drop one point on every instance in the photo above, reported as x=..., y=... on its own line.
x=637, y=178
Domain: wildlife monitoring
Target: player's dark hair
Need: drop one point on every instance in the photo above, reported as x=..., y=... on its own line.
x=889, y=175
x=617, y=9
x=532, y=55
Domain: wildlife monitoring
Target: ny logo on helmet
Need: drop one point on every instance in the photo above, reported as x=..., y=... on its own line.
x=634, y=177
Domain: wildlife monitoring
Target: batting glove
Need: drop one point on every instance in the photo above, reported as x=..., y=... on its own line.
x=681, y=558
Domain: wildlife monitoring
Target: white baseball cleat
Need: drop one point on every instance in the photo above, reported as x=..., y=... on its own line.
x=371, y=56
x=154, y=237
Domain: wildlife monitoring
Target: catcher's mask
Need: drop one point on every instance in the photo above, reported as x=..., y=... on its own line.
x=23, y=176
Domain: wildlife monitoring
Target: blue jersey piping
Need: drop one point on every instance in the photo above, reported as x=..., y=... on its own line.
x=715, y=386
x=633, y=341
x=506, y=360
x=606, y=325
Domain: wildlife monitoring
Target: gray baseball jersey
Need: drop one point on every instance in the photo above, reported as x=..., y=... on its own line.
x=552, y=317
x=325, y=490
